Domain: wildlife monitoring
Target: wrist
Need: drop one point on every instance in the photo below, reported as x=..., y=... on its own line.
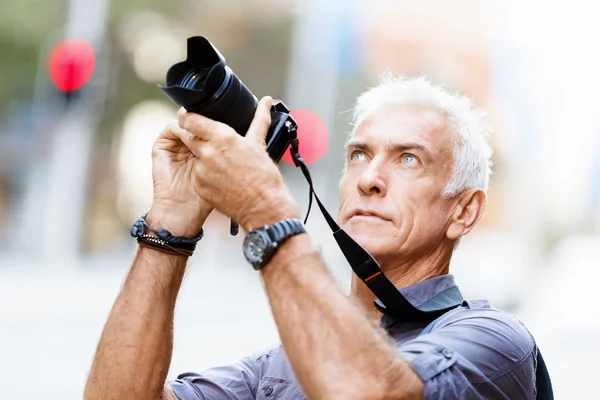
x=269, y=214
x=174, y=259
x=295, y=253
x=177, y=220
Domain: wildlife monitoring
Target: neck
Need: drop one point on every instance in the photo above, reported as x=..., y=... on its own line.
x=401, y=274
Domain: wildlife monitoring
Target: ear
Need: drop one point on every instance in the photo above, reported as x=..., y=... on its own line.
x=469, y=209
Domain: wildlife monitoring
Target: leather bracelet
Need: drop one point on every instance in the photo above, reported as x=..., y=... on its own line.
x=169, y=240
x=157, y=244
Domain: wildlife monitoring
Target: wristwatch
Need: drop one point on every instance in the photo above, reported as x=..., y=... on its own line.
x=261, y=244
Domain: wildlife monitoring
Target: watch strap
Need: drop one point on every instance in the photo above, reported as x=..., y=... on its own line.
x=275, y=234
x=284, y=229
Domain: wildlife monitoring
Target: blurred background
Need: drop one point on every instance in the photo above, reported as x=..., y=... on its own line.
x=75, y=168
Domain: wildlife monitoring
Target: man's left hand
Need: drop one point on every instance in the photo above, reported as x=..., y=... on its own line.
x=234, y=173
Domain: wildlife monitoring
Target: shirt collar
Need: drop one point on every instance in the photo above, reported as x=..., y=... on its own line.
x=427, y=295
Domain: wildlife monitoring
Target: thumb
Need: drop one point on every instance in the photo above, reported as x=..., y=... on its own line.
x=262, y=121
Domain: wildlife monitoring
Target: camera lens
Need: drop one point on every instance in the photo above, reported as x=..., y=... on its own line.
x=204, y=84
x=194, y=79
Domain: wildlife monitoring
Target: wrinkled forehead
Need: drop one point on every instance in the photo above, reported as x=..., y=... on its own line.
x=397, y=124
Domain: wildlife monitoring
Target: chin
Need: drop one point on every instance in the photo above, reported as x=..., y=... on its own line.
x=377, y=240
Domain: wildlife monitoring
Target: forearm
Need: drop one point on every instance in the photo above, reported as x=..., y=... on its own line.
x=331, y=344
x=134, y=353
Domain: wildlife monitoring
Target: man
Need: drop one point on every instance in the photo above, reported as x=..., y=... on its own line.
x=417, y=169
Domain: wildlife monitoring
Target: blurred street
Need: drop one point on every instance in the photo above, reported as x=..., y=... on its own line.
x=51, y=320
x=50, y=323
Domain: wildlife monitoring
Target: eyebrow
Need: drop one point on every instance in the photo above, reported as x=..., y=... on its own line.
x=355, y=144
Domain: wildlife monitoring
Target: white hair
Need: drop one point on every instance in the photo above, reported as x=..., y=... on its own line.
x=472, y=154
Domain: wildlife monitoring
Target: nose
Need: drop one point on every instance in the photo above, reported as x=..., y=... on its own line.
x=373, y=181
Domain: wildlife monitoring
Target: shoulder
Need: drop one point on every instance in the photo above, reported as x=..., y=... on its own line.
x=267, y=354
x=475, y=351
x=266, y=359
x=479, y=324
x=242, y=379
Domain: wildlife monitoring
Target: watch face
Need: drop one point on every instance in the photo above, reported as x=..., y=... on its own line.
x=257, y=247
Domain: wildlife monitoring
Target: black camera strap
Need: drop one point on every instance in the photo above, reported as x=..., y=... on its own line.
x=366, y=267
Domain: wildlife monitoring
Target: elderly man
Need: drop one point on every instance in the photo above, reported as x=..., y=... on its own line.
x=417, y=170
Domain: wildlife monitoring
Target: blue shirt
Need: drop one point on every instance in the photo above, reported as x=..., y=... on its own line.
x=472, y=352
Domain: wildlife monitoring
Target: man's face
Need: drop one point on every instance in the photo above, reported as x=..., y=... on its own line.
x=399, y=162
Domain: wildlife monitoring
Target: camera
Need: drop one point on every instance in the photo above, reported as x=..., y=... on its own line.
x=205, y=85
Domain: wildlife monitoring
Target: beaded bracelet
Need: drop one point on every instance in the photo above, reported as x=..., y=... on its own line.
x=164, y=240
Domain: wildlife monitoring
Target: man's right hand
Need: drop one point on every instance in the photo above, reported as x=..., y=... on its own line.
x=134, y=353
x=176, y=206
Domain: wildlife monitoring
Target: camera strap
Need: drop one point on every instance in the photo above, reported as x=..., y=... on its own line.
x=368, y=270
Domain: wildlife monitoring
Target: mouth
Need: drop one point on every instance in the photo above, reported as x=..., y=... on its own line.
x=368, y=214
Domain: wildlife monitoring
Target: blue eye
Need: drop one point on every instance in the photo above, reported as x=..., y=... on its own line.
x=358, y=156
x=408, y=159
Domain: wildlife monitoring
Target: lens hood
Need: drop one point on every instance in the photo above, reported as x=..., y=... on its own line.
x=204, y=84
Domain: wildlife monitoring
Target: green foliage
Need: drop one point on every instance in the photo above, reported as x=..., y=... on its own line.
x=26, y=26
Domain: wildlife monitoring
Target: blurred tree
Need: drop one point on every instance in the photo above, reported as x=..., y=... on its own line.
x=25, y=26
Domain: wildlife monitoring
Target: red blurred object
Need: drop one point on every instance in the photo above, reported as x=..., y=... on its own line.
x=312, y=135
x=71, y=64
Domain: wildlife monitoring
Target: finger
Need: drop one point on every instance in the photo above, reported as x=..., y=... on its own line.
x=167, y=133
x=181, y=111
x=203, y=128
x=190, y=140
x=165, y=140
x=262, y=121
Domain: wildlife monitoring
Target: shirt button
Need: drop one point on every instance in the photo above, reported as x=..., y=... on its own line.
x=447, y=353
x=268, y=391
